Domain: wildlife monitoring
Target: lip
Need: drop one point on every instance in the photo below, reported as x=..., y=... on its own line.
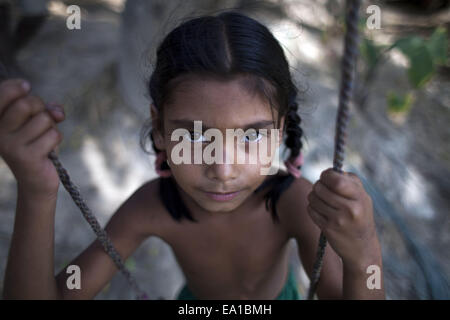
x=219, y=196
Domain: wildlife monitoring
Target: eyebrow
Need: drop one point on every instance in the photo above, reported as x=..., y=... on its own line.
x=190, y=123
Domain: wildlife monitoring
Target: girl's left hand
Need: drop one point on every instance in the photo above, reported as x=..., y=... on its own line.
x=341, y=208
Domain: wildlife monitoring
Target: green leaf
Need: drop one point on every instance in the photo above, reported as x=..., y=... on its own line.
x=437, y=45
x=370, y=51
x=408, y=45
x=399, y=103
x=362, y=24
x=421, y=67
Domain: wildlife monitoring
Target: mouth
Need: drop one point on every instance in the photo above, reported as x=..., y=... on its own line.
x=222, y=196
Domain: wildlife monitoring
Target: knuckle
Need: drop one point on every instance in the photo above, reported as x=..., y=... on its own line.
x=324, y=174
x=22, y=106
x=36, y=103
x=45, y=119
x=318, y=187
x=347, y=207
x=9, y=89
x=355, y=210
x=340, y=221
x=55, y=134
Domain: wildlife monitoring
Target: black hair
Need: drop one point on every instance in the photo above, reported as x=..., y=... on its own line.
x=226, y=45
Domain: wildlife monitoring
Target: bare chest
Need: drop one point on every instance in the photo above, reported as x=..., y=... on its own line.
x=245, y=258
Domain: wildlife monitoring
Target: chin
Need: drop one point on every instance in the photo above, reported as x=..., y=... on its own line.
x=213, y=207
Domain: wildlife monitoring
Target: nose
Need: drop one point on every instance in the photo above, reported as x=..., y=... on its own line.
x=226, y=171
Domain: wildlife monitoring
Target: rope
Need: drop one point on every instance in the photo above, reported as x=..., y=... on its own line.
x=348, y=65
x=99, y=231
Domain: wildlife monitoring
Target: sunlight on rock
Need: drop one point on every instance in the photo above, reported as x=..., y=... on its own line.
x=57, y=8
x=398, y=58
x=312, y=13
x=298, y=44
x=115, y=5
x=415, y=195
x=313, y=170
x=112, y=192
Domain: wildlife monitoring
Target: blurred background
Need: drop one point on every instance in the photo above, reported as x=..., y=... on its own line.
x=398, y=136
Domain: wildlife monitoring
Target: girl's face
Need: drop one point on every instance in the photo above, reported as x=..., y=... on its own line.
x=221, y=105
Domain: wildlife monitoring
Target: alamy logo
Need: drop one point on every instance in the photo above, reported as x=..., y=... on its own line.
x=73, y=21
x=74, y=280
x=374, y=20
x=252, y=147
x=374, y=280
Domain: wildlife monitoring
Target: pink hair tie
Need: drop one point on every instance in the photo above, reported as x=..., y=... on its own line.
x=293, y=164
x=160, y=158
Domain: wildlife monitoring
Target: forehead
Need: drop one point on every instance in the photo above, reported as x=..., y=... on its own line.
x=218, y=103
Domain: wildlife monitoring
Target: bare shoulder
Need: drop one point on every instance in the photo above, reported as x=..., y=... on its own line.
x=292, y=209
x=144, y=209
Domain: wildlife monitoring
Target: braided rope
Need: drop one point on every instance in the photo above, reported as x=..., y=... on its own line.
x=348, y=66
x=99, y=231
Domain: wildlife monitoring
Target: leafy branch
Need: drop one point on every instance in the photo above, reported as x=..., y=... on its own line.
x=423, y=55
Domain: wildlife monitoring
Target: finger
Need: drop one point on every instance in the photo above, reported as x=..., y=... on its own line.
x=47, y=142
x=320, y=220
x=11, y=90
x=328, y=196
x=339, y=183
x=56, y=111
x=321, y=206
x=35, y=127
x=354, y=178
x=20, y=111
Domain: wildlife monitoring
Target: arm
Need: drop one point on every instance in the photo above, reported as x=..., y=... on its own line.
x=341, y=208
x=27, y=135
x=356, y=276
x=29, y=270
x=295, y=218
x=33, y=247
x=128, y=228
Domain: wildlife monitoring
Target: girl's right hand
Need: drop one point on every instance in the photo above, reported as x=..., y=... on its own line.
x=27, y=135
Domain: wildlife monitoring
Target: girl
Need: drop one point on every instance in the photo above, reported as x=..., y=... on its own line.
x=228, y=225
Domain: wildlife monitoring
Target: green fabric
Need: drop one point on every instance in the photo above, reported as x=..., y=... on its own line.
x=289, y=292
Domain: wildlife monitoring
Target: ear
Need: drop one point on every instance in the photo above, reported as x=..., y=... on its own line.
x=157, y=134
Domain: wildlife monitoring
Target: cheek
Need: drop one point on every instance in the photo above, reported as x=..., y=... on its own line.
x=253, y=174
x=186, y=174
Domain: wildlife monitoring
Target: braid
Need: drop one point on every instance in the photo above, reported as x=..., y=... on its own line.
x=169, y=193
x=293, y=141
x=293, y=131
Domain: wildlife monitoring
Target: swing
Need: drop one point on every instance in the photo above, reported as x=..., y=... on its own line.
x=347, y=78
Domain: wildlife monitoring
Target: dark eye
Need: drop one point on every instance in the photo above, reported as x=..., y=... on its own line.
x=253, y=136
x=195, y=136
